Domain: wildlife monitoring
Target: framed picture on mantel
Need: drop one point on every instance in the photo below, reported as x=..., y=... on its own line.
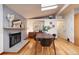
x=16, y=23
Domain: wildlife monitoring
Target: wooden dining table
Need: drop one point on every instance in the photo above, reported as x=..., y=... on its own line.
x=46, y=40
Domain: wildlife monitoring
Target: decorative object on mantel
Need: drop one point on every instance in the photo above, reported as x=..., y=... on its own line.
x=10, y=18
x=16, y=23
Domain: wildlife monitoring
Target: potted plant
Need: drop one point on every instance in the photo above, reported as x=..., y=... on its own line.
x=46, y=28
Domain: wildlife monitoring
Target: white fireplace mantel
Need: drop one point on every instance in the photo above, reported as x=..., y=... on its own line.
x=11, y=28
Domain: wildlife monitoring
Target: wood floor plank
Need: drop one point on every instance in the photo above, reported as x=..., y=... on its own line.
x=62, y=48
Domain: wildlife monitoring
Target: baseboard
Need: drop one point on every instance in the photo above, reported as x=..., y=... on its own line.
x=7, y=53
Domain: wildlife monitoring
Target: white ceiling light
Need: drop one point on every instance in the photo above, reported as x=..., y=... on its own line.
x=48, y=7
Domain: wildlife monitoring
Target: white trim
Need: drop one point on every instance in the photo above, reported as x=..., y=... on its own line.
x=63, y=9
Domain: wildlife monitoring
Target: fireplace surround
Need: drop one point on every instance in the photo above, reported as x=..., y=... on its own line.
x=14, y=38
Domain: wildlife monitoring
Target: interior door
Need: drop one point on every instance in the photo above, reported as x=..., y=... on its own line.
x=60, y=29
x=76, y=29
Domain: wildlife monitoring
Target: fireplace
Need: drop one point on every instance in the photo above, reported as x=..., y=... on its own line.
x=14, y=39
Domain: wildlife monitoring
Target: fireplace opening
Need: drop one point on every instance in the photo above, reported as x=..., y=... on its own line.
x=14, y=39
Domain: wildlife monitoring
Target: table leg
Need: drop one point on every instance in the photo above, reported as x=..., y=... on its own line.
x=36, y=48
x=54, y=47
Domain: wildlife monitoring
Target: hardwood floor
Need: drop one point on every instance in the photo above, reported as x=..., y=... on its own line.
x=62, y=48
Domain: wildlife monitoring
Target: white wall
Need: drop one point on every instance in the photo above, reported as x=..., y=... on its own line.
x=60, y=28
x=29, y=25
x=34, y=25
x=69, y=25
x=53, y=30
x=38, y=25
x=1, y=28
x=31, y=22
x=76, y=10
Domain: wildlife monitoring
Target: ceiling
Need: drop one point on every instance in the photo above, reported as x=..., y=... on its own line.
x=69, y=8
x=33, y=10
